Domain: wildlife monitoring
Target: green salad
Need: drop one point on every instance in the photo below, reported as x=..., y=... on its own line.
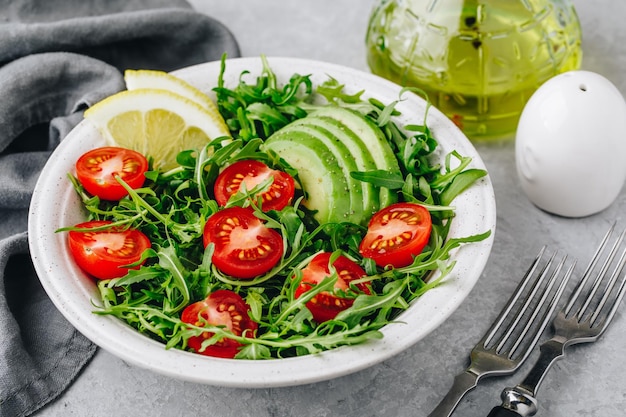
x=315, y=224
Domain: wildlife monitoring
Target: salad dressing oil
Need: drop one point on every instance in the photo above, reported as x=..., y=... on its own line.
x=479, y=61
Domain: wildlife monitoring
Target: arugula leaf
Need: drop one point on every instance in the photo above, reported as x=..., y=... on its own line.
x=380, y=178
x=257, y=110
x=460, y=183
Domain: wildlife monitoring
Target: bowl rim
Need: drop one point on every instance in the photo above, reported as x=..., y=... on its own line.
x=54, y=205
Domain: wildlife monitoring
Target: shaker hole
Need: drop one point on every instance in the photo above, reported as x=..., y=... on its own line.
x=470, y=21
x=582, y=87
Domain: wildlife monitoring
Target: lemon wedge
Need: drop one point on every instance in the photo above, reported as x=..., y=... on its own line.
x=161, y=80
x=157, y=122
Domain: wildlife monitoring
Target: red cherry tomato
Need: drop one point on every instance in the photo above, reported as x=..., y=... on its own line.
x=396, y=234
x=104, y=253
x=220, y=308
x=96, y=170
x=325, y=305
x=244, y=247
x=251, y=173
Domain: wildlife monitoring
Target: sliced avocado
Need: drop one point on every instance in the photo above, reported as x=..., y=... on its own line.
x=346, y=162
x=373, y=139
x=361, y=160
x=319, y=171
x=325, y=147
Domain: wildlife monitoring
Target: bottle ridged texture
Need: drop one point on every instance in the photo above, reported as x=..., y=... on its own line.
x=479, y=61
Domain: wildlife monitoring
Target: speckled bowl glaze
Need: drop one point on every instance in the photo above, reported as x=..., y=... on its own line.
x=55, y=204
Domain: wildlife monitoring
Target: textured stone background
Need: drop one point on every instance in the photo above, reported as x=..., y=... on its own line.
x=588, y=383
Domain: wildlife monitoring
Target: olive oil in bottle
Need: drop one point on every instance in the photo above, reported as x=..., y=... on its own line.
x=479, y=61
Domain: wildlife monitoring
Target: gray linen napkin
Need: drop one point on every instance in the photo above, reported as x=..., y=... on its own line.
x=57, y=57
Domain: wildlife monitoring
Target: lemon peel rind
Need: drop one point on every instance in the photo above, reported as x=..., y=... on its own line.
x=142, y=79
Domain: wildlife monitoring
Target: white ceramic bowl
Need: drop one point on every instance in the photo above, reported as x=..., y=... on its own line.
x=54, y=204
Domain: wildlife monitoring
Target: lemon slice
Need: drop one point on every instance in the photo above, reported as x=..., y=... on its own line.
x=156, y=122
x=138, y=79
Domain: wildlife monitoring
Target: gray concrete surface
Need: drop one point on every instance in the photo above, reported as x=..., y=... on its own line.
x=588, y=383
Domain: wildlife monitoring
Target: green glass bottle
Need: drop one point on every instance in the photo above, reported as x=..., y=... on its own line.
x=479, y=61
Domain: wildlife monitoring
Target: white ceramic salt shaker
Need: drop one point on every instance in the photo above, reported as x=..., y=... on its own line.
x=570, y=145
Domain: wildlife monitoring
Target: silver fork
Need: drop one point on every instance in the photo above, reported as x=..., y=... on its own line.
x=584, y=319
x=515, y=332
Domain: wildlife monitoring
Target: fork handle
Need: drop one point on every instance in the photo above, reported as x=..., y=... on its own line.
x=520, y=400
x=500, y=411
x=515, y=403
x=463, y=383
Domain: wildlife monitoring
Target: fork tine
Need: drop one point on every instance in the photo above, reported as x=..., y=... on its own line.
x=611, y=284
x=509, y=333
x=548, y=311
x=526, y=306
x=585, y=301
x=587, y=274
x=512, y=301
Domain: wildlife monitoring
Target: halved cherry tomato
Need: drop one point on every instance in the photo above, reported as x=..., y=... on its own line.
x=396, y=234
x=251, y=173
x=326, y=305
x=96, y=170
x=244, y=247
x=105, y=253
x=220, y=308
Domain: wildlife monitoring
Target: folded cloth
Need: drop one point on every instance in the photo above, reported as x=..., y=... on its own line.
x=54, y=64
x=157, y=39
